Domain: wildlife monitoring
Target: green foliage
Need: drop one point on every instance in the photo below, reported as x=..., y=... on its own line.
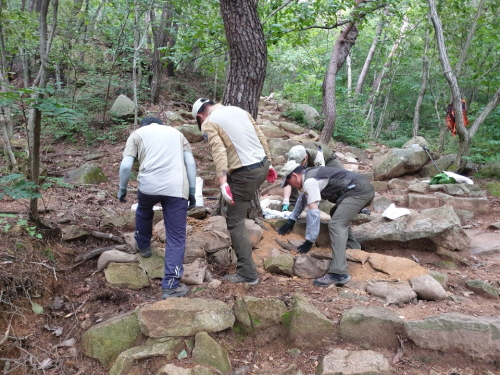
x=4, y=221
x=17, y=186
x=49, y=254
x=296, y=115
x=7, y=221
x=30, y=229
x=493, y=188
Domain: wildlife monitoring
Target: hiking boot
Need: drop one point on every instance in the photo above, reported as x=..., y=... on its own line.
x=237, y=278
x=332, y=278
x=146, y=253
x=365, y=211
x=132, y=243
x=180, y=291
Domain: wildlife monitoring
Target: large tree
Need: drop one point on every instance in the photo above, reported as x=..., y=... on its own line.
x=247, y=53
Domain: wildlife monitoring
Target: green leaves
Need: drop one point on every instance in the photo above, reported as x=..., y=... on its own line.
x=17, y=187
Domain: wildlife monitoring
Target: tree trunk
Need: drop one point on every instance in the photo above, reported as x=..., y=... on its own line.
x=5, y=111
x=463, y=134
x=248, y=54
x=371, y=52
x=41, y=81
x=387, y=64
x=349, y=75
x=171, y=40
x=134, y=62
x=341, y=50
x=159, y=40
x=465, y=47
x=423, y=86
x=384, y=107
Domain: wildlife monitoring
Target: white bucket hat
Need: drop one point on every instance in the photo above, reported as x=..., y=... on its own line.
x=297, y=153
x=288, y=168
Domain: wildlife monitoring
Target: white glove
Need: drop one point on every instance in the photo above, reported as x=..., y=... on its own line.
x=226, y=193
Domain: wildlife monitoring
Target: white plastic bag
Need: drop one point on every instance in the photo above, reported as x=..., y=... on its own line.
x=392, y=212
x=459, y=178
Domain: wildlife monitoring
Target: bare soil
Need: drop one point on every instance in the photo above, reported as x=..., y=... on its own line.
x=43, y=271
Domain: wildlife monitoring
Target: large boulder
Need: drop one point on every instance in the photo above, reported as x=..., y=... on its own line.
x=474, y=336
x=398, y=162
x=434, y=229
x=123, y=108
x=184, y=317
x=86, y=174
x=106, y=340
x=311, y=115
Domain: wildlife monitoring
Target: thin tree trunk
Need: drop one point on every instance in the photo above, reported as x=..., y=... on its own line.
x=349, y=75
x=382, y=116
x=371, y=111
x=492, y=104
x=159, y=40
x=465, y=47
x=248, y=54
x=41, y=82
x=371, y=52
x=384, y=108
x=341, y=50
x=387, y=64
x=423, y=86
x=134, y=62
x=5, y=111
x=463, y=134
x=115, y=56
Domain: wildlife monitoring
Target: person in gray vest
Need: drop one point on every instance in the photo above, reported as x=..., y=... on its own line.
x=349, y=191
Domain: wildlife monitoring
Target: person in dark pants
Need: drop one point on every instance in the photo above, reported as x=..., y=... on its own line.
x=242, y=162
x=167, y=175
x=349, y=191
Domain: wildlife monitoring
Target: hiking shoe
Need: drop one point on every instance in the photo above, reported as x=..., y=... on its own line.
x=180, y=291
x=365, y=211
x=132, y=244
x=146, y=253
x=237, y=278
x=332, y=278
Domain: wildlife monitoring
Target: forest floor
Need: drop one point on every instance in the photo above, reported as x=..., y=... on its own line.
x=75, y=296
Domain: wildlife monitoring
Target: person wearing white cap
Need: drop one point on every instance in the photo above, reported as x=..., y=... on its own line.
x=349, y=191
x=242, y=163
x=308, y=157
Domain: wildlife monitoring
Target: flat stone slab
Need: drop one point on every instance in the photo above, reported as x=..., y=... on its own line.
x=484, y=244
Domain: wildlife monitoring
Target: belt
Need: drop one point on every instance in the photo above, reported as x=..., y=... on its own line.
x=251, y=166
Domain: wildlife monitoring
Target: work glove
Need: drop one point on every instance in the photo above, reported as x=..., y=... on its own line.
x=305, y=247
x=121, y=194
x=286, y=203
x=287, y=227
x=271, y=175
x=192, y=201
x=226, y=193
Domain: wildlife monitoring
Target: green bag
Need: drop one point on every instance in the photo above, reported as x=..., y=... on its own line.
x=442, y=178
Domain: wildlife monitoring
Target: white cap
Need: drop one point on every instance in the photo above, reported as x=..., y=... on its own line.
x=197, y=105
x=297, y=153
x=288, y=168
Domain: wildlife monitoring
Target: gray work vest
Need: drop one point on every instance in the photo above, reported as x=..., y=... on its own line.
x=341, y=182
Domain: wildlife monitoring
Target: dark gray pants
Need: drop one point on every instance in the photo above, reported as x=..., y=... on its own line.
x=244, y=186
x=341, y=236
